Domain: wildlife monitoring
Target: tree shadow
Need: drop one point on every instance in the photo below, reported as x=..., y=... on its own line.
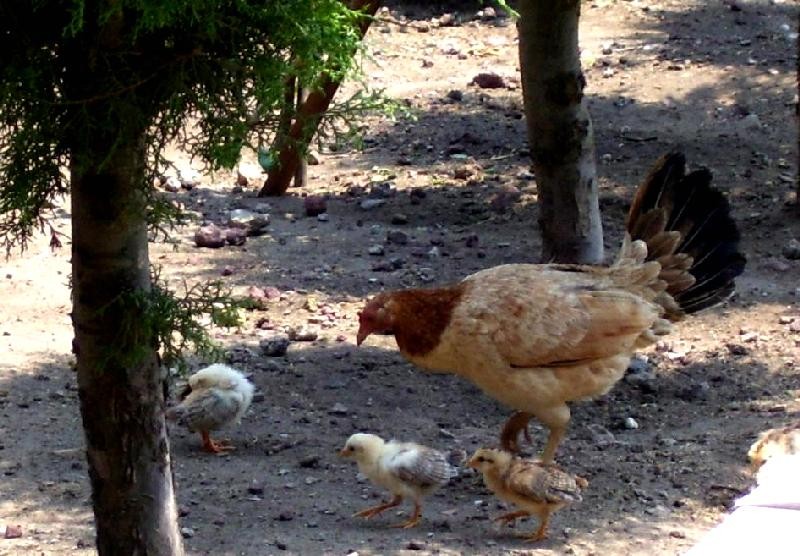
x=284, y=485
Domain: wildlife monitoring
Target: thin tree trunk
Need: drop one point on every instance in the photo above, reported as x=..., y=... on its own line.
x=119, y=379
x=308, y=116
x=559, y=131
x=301, y=174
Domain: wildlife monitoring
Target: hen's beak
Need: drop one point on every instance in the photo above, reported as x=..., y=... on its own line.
x=361, y=336
x=472, y=463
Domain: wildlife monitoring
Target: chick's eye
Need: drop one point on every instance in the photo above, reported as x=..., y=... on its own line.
x=481, y=459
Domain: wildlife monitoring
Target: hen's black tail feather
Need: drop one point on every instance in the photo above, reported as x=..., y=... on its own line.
x=688, y=228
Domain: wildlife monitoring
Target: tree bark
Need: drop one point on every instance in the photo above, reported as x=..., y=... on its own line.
x=559, y=131
x=309, y=114
x=121, y=398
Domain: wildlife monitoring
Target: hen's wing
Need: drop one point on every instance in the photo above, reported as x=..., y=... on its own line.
x=419, y=466
x=542, y=483
x=207, y=409
x=551, y=315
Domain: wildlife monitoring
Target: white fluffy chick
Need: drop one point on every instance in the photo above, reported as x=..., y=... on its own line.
x=775, y=442
x=406, y=469
x=215, y=397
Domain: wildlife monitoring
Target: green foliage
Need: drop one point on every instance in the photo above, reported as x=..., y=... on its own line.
x=174, y=324
x=87, y=75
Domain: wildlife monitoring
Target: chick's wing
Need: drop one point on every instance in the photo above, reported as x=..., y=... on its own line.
x=207, y=409
x=543, y=483
x=548, y=315
x=419, y=466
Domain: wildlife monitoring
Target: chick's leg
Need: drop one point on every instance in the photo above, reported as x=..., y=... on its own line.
x=509, y=438
x=511, y=516
x=541, y=532
x=413, y=520
x=375, y=510
x=214, y=447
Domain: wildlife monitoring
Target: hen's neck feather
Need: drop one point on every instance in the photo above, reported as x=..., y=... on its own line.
x=420, y=316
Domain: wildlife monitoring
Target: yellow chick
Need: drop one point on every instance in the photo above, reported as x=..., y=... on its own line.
x=215, y=397
x=775, y=442
x=406, y=469
x=538, y=489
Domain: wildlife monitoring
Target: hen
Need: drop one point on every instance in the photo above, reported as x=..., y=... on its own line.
x=405, y=469
x=538, y=489
x=538, y=336
x=215, y=397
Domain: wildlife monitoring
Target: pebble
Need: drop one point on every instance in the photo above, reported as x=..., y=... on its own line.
x=323, y=217
x=275, y=346
x=455, y=95
x=210, y=236
x=792, y=250
x=13, y=532
x=187, y=532
x=255, y=488
x=376, y=250
x=397, y=237
x=414, y=545
x=786, y=319
x=369, y=204
x=339, y=409
x=630, y=423
x=315, y=205
x=488, y=80
x=303, y=334
x=398, y=219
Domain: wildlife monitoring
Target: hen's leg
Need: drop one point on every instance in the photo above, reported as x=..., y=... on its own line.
x=413, y=520
x=509, y=438
x=556, y=419
x=375, y=510
x=511, y=516
x=214, y=447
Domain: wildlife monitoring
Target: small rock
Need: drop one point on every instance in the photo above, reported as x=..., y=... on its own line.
x=414, y=545
x=488, y=80
x=455, y=95
x=256, y=488
x=677, y=534
x=275, y=346
x=630, y=423
x=472, y=240
x=309, y=462
x=172, y=184
x=369, y=204
x=792, y=250
x=339, y=409
x=737, y=349
x=253, y=223
x=397, y=237
x=285, y=515
x=463, y=172
x=376, y=250
x=303, y=334
x=210, y=235
x=699, y=391
x=786, y=319
x=13, y=532
x=315, y=205
x=600, y=435
x=235, y=236
x=227, y=271
x=280, y=545
x=187, y=532
x=399, y=219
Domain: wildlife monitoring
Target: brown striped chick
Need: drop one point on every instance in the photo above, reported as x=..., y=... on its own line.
x=215, y=397
x=538, y=489
x=405, y=469
x=775, y=442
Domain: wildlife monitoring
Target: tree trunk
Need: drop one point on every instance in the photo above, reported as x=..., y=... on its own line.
x=301, y=174
x=559, y=131
x=309, y=114
x=119, y=379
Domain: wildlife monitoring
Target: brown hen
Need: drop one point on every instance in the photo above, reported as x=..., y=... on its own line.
x=538, y=336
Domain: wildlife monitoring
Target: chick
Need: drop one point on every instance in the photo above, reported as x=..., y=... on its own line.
x=407, y=470
x=539, y=489
x=775, y=442
x=215, y=397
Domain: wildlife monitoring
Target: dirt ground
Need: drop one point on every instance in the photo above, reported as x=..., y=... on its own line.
x=717, y=78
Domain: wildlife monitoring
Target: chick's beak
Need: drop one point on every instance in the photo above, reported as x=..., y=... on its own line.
x=343, y=453
x=472, y=463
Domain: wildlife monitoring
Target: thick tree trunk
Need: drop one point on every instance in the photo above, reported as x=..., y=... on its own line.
x=309, y=114
x=119, y=379
x=559, y=131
